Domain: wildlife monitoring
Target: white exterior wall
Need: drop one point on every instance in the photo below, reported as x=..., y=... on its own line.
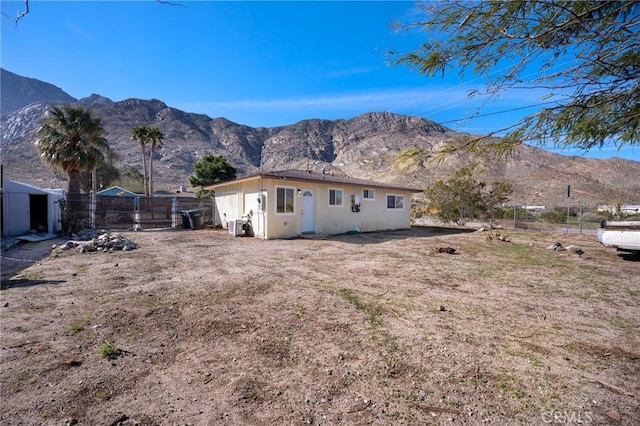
x=252, y=208
x=373, y=214
x=237, y=202
x=329, y=219
x=227, y=206
x=282, y=225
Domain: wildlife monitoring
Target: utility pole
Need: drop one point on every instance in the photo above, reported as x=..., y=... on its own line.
x=568, y=205
x=580, y=204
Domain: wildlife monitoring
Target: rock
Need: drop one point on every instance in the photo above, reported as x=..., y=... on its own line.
x=574, y=249
x=448, y=250
x=503, y=237
x=613, y=415
x=103, y=241
x=556, y=246
x=68, y=245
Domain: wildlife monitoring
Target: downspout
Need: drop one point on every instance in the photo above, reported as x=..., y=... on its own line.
x=261, y=197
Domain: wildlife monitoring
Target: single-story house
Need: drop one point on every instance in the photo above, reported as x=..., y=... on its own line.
x=116, y=191
x=290, y=203
x=28, y=209
x=624, y=209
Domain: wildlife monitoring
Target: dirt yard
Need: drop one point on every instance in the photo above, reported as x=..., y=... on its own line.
x=198, y=328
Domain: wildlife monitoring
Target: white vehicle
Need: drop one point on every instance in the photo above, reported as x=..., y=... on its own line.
x=623, y=236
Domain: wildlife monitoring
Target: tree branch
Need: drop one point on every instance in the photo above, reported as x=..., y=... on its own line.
x=20, y=15
x=170, y=3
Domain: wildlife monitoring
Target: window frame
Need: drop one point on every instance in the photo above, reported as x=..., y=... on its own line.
x=335, y=190
x=396, y=197
x=371, y=191
x=293, y=201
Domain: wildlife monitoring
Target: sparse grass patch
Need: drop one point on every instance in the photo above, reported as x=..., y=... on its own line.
x=383, y=338
x=77, y=328
x=83, y=268
x=109, y=350
x=39, y=308
x=373, y=313
x=30, y=276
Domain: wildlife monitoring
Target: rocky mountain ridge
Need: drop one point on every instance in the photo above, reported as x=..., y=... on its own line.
x=365, y=146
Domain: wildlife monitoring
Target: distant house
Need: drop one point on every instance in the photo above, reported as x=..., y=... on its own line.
x=290, y=203
x=116, y=191
x=28, y=209
x=624, y=209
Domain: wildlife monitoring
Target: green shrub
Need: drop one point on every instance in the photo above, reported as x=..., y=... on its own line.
x=108, y=350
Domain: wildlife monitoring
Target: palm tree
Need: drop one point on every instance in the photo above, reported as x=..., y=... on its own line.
x=72, y=140
x=140, y=134
x=156, y=136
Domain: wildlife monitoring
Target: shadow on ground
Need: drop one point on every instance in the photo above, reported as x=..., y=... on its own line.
x=23, y=255
x=402, y=234
x=631, y=257
x=22, y=282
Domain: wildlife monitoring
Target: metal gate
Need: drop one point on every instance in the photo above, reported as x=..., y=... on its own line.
x=114, y=212
x=122, y=212
x=155, y=213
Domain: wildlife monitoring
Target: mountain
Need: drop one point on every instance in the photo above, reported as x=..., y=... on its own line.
x=365, y=146
x=18, y=92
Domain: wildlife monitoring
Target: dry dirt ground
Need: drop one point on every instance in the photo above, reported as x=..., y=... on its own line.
x=375, y=328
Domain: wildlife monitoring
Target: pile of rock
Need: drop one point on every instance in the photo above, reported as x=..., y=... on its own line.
x=99, y=241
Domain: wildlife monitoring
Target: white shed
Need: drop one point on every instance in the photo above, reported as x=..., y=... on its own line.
x=27, y=209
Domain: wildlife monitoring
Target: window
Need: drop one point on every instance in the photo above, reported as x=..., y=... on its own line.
x=395, y=201
x=335, y=197
x=367, y=194
x=284, y=200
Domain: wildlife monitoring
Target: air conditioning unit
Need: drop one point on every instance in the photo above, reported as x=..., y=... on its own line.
x=235, y=227
x=231, y=224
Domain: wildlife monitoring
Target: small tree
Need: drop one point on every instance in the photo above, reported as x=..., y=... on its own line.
x=462, y=197
x=211, y=169
x=496, y=197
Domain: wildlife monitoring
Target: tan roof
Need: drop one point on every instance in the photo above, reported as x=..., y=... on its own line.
x=310, y=176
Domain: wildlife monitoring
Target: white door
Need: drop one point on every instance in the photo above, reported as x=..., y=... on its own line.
x=308, y=211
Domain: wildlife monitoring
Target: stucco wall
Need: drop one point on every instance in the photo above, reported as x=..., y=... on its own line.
x=241, y=199
x=373, y=214
x=281, y=225
x=332, y=219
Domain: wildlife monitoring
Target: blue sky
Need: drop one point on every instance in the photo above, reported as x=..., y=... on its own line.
x=255, y=63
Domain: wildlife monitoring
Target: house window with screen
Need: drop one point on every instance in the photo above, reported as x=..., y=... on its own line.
x=284, y=200
x=367, y=194
x=335, y=197
x=395, y=201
